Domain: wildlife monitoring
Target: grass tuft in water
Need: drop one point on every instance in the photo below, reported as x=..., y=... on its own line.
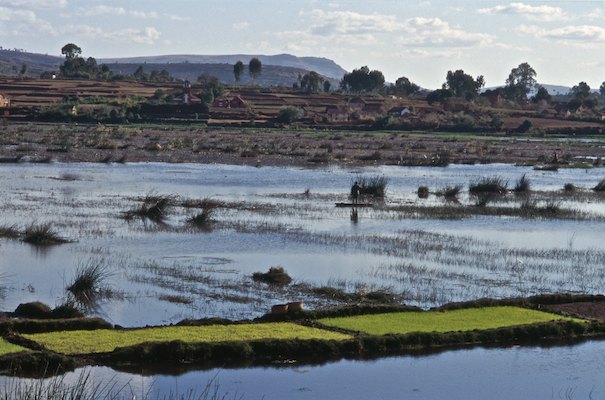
x=493, y=185
x=154, y=208
x=9, y=231
x=88, y=281
x=42, y=235
x=523, y=185
x=423, y=192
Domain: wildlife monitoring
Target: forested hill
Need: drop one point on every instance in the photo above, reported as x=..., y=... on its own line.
x=322, y=66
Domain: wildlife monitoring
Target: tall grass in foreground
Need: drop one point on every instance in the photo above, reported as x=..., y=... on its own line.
x=600, y=187
x=86, y=388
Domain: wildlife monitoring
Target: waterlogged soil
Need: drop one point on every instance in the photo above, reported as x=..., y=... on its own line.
x=283, y=147
x=588, y=310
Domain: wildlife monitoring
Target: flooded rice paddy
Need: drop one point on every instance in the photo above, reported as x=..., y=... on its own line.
x=423, y=250
x=163, y=271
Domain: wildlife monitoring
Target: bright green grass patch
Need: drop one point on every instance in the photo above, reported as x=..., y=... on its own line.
x=7, y=347
x=437, y=321
x=106, y=340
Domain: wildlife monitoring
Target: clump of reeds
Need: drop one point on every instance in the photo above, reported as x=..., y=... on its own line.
x=154, y=208
x=275, y=276
x=423, y=192
x=523, y=185
x=450, y=192
x=373, y=186
x=88, y=282
x=9, y=231
x=492, y=185
x=600, y=187
x=42, y=235
x=202, y=219
x=569, y=188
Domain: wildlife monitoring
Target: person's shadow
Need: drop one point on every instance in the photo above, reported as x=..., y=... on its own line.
x=354, y=215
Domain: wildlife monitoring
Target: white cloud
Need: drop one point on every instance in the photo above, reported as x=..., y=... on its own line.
x=33, y=4
x=584, y=35
x=107, y=10
x=428, y=32
x=178, y=18
x=327, y=23
x=596, y=14
x=536, y=13
x=240, y=26
x=24, y=23
x=147, y=35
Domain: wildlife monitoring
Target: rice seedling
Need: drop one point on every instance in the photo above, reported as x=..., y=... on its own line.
x=493, y=185
x=42, y=235
x=275, y=276
x=88, y=281
x=373, y=186
x=523, y=185
x=600, y=187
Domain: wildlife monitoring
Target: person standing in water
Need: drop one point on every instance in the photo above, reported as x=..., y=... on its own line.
x=355, y=192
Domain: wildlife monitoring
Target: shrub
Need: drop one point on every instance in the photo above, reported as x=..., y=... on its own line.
x=492, y=185
x=522, y=185
x=423, y=192
x=275, y=276
x=289, y=114
x=450, y=192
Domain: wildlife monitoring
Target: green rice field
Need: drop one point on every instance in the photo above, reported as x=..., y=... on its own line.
x=107, y=340
x=441, y=321
x=7, y=347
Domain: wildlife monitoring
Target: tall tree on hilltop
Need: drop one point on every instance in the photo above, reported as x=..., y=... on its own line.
x=520, y=81
x=255, y=68
x=463, y=85
x=71, y=50
x=238, y=70
x=363, y=80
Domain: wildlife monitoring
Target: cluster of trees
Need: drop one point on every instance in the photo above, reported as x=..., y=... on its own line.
x=255, y=68
x=76, y=67
x=363, y=80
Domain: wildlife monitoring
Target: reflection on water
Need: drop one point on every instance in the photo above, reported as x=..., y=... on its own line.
x=160, y=273
x=503, y=373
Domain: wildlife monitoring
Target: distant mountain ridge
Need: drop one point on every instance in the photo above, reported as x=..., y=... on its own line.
x=322, y=66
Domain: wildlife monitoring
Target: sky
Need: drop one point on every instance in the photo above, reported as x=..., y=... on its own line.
x=564, y=41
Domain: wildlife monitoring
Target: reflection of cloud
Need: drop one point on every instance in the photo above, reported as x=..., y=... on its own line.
x=537, y=13
x=581, y=34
